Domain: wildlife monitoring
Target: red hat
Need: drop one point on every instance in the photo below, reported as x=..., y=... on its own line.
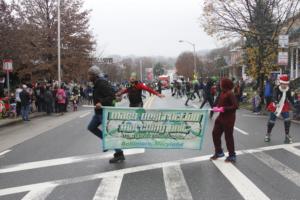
x=284, y=79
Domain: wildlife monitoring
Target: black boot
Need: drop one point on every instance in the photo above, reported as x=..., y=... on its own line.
x=118, y=157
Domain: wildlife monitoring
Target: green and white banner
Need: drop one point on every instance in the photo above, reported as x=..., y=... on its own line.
x=125, y=128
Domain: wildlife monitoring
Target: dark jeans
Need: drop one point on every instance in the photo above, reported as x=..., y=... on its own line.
x=25, y=110
x=61, y=108
x=18, y=108
x=94, y=127
x=49, y=107
x=140, y=104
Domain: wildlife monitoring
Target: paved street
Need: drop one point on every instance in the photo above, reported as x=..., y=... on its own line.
x=57, y=158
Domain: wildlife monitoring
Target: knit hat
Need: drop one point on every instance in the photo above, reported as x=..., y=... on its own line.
x=94, y=70
x=284, y=79
x=133, y=75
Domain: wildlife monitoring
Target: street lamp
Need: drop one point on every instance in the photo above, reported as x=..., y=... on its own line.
x=194, y=47
x=58, y=44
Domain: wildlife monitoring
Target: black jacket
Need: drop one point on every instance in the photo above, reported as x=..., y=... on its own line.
x=25, y=98
x=277, y=94
x=103, y=93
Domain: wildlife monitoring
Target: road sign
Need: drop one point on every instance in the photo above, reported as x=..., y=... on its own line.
x=283, y=41
x=8, y=65
x=283, y=58
x=107, y=60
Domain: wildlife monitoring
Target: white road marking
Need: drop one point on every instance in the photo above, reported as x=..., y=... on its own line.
x=255, y=116
x=242, y=184
x=25, y=188
x=279, y=167
x=84, y=115
x=5, y=152
x=293, y=150
x=109, y=188
x=40, y=193
x=176, y=186
x=88, y=106
x=241, y=131
x=63, y=161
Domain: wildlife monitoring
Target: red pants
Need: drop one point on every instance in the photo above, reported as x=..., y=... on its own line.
x=218, y=130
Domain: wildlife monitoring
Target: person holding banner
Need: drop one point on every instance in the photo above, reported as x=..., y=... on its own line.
x=227, y=106
x=280, y=105
x=135, y=92
x=103, y=95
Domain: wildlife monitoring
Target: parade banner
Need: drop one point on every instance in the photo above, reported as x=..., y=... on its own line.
x=125, y=128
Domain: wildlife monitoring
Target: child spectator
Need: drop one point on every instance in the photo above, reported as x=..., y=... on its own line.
x=256, y=102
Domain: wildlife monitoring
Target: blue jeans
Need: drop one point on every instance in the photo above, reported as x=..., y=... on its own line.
x=93, y=127
x=25, y=112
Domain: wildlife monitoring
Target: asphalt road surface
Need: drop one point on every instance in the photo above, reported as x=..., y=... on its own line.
x=52, y=158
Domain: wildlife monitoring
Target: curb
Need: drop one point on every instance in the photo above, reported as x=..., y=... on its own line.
x=18, y=120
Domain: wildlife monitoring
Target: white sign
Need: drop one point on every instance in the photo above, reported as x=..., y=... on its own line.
x=283, y=41
x=7, y=65
x=283, y=58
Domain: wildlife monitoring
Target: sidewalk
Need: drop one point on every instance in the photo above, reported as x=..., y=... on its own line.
x=10, y=121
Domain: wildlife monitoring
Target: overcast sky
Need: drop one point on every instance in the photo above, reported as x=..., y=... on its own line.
x=147, y=27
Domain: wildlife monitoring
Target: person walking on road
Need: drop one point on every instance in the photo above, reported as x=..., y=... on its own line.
x=103, y=95
x=281, y=104
x=135, y=92
x=25, y=103
x=227, y=106
x=208, y=97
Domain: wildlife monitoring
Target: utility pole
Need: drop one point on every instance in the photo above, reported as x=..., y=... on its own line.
x=141, y=69
x=58, y=44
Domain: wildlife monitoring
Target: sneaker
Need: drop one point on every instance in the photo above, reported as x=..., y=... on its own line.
x=231, y=159
x=118, y=157
x=288, y=139
x=217, y=155
x=267, y=138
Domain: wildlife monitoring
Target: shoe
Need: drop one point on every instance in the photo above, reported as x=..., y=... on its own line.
x=288, y=139
x=186, y=104
x=231, y=159
x=118, y=157
x=267, y=138
x=217, y=155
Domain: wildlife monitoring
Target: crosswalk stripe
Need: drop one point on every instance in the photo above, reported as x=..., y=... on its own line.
x=176, y=186
x=40, y=193
x=63, y=161
x=25, y=188
x=293, y=150
x=109, y=188
x=279, y=167
x=242, y=184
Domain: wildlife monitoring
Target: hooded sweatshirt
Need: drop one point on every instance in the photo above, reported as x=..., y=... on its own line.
x=228, y=101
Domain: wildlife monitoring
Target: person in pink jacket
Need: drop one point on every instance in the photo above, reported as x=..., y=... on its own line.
x=61, y=100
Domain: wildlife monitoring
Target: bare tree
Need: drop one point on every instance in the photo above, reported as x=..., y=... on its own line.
x=39, y=26
x=185, y=64
x=257, y=21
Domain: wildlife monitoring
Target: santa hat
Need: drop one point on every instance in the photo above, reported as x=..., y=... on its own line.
x=284, y=79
